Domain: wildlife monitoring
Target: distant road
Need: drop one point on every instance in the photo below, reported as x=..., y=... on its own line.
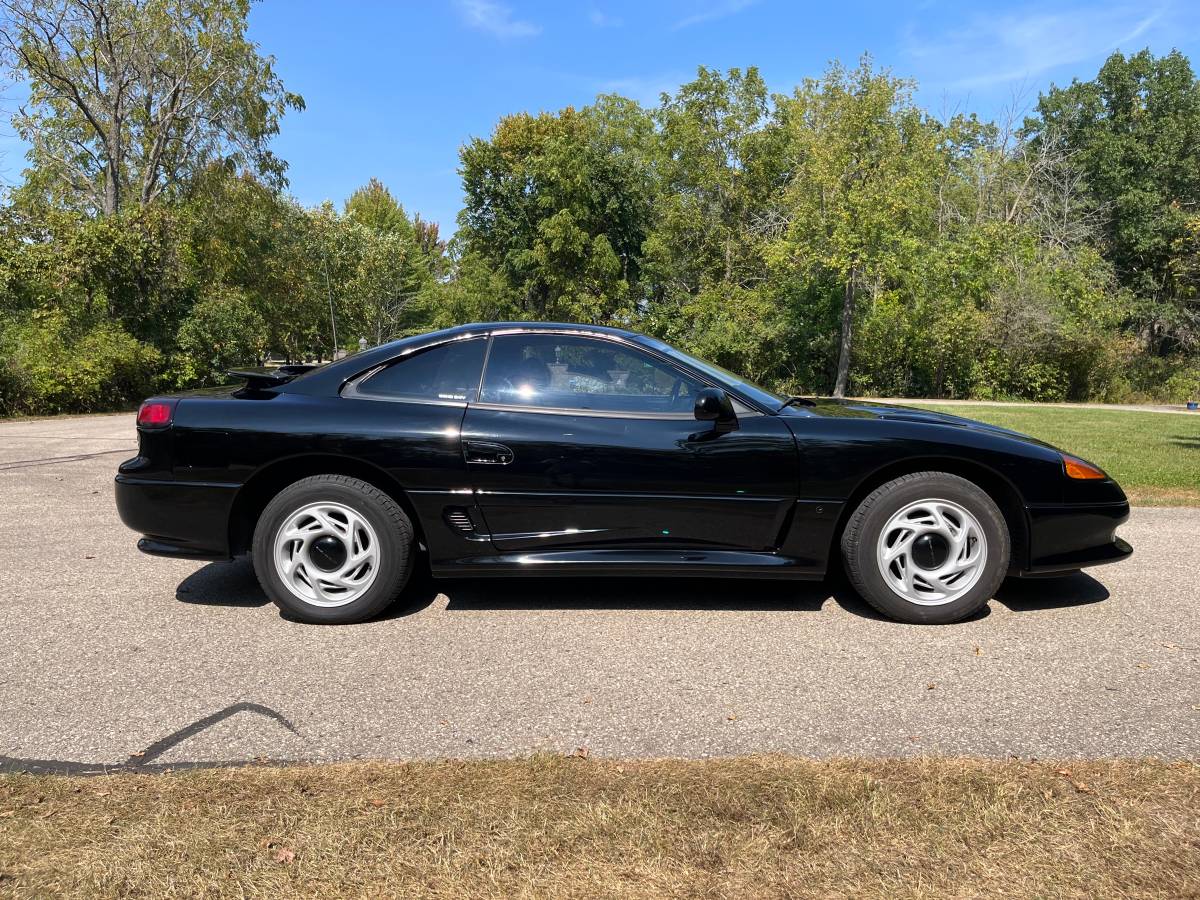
x=1123, y=407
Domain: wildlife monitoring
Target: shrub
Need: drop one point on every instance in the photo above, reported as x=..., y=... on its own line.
x=221, y=332
x=50, y=367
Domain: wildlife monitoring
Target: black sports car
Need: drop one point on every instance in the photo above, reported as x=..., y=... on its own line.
x=521, y=448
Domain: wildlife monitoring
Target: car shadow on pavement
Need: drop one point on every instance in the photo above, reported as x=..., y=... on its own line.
x=713, y=594
x=1032, y=594
x=618, y=593
x=229, y=583
x=234, y=584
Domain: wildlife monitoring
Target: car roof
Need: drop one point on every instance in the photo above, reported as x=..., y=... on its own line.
x=541, y=326
x=329, y=378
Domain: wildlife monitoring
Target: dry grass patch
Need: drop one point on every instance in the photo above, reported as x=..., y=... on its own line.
x=756, y=827
x=1152, y=496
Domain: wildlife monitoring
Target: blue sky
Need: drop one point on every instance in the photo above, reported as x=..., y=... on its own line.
x=394, y=88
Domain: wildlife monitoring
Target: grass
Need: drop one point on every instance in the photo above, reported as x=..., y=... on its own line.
x=1155, y=456
x=549, y=826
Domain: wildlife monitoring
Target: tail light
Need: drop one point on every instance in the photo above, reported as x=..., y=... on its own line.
x=156, y=413
x=1081, y=469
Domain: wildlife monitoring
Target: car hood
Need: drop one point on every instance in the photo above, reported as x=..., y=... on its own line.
x=829, y=407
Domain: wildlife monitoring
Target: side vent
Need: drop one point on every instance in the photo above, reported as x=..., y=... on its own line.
x=460, y=520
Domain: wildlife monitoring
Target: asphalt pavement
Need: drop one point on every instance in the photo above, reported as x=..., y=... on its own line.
x=112, y=658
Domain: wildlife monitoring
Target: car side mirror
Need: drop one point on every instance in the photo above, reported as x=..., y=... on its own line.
x=713, y=405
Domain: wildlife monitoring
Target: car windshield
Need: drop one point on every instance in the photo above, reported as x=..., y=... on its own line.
x=756, y=392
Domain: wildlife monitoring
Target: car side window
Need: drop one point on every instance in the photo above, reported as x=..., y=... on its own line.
x=448, y=372
x=559, y=371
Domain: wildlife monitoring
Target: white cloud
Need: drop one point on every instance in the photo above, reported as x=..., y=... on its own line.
x=496, y=19
x=996, y=49
x=719, y=11
x=646, y=90
x=603, y=20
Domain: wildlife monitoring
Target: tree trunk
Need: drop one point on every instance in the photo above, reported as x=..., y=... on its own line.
x=112, y=186
x=843, y=369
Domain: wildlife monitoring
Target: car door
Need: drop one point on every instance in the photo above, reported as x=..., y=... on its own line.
x=582, y=441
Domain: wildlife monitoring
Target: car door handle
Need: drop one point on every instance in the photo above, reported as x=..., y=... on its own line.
x=486, y=453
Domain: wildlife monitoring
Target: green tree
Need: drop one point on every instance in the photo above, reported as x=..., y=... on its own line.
x=222, y=331
x=245, y=237
x=433, y=248
x=374, y=207
x=1134, y=131
x=864, y=163
x=559, y=206
x=385, y=293
x=718, y=171
x=720, y=164
x=129, y=99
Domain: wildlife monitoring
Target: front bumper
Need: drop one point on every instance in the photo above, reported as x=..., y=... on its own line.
x=1069, y=538
x=183, y=519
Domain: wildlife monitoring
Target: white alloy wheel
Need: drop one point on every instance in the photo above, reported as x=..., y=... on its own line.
x=931, y=552
x=326, y=554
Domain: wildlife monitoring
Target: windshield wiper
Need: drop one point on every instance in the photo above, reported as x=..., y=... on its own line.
x=797, y=401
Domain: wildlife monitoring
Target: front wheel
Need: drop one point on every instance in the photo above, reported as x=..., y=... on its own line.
x=333, y=550
x=927, y=548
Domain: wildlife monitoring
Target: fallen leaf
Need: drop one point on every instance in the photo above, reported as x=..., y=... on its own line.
x=930, y=686
x=138, y=753
x=284, y=855
x=1082, y=787
x=732, y=717
x=89, y=557
x=978, y=652
x=377, y=802
x=1066, y=773
x=581, y=752
x=1143, y=665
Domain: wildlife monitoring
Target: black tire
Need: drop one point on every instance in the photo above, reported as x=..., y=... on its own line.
x=393, y=532
x=860, y=546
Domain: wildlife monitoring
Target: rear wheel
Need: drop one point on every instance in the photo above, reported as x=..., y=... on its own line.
x=930, y=548
x=331, y=549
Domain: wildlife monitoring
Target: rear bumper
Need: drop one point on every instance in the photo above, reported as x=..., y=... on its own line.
x=182, y=519
x=1068, y=538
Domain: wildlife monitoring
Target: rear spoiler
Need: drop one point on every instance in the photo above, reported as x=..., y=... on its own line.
x=263, y=378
